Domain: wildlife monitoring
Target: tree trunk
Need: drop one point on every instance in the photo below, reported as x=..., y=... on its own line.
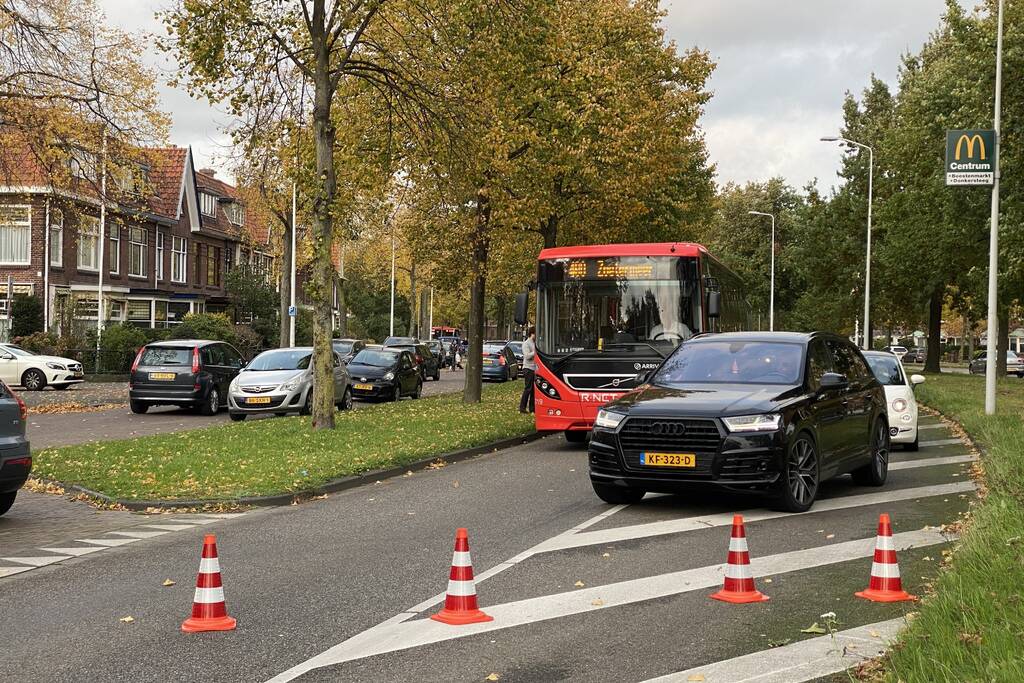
x=286, y=281
x=500, y=316
x=424, y=319
x=549, y=231
x=931, y=363
x=342, y=309
x=1003, y=340
x=323, y=234
x=965, y=353
x=478, y=290
x=970, y=341
x=413, y=301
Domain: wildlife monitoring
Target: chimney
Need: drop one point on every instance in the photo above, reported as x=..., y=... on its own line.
x=208, y=171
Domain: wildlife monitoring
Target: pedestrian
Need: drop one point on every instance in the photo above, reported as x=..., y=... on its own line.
x=529, y=371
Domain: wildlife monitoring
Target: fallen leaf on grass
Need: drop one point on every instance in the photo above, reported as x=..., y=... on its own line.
x=127, y=620
x=813, y=628
x=579, y=584
x=167, y=582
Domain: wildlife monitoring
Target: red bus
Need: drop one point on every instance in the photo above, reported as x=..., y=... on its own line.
x=608, y=313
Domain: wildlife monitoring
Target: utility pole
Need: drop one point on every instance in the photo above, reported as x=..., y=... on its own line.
x=103, y=242
x=391, y=328
x=993, y=247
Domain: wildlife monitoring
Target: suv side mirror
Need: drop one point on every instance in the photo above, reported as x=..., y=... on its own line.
x=833, y=380
x=714, y=304
x=522, y=308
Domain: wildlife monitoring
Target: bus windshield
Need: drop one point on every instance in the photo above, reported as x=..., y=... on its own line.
x=625, y=303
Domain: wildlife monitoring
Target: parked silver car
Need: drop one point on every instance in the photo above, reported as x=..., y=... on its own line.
x=1014, y=364
x=280, y=381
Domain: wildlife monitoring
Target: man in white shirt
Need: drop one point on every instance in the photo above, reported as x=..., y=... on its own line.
x=529, y=371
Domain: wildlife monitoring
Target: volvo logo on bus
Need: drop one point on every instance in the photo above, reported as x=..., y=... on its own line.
x=668, y=428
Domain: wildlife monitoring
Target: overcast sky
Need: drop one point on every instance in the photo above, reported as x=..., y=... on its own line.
x=783, y=68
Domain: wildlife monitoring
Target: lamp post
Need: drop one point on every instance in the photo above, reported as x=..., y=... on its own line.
x=993, y=245
x=867, y=265
x=771, y=306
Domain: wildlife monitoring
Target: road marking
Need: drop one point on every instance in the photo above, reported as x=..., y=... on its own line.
x=137, y=534
x=937, y=425
x=107, y=542
x=409, y=634
x=929, y=462
x=74, y=551
x=168, y=527
x=804, y=661
x=37, y=561
x=941, y=442
x=8, y=571
x=675, y=526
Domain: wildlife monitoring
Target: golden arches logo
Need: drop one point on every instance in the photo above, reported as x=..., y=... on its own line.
x=970, y=146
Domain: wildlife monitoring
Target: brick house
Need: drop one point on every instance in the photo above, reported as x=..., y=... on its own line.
x=167, y=237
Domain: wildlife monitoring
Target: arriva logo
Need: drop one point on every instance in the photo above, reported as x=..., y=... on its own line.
x=970, y=147
x=644, y=366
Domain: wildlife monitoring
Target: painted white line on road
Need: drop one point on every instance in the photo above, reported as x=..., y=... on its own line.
x=929, y=462
x=137, y=534
x=941, y=442
x=675, y=526
x=804, y=661
x=409, y=634
x=37, y=561
x=107, y=542
x=168, y=527
x=8, y=571
x=73, y=551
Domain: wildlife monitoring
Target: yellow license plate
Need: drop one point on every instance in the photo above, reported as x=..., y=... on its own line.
x=488, y=361
x=257, y=400
x=364, y=387
x=162, y=375
x=668, y=459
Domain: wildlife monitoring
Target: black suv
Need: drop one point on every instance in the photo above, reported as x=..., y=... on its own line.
x=188, y=373
x=777, y=412
x=428, y=364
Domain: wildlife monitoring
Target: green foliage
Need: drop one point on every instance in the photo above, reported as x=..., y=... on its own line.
x=213, y=326
x=248, y=341
x=27, y=315
x=118, y=346
x=370, y=308
x=250, y=292
x=304, y=327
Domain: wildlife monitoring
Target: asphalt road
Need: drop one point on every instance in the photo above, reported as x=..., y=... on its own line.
x=64, y=429
x=580, y=590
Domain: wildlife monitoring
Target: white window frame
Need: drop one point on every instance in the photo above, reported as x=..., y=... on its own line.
x=159, y=255
x=19, y=225
x=56, y=238
x=180, y=267
x=92, y=234
x=114, y=250
x=140, y=249
x=208, y=201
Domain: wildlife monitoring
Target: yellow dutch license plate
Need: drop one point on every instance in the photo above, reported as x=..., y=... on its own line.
x=488, y=362
x=364, y=387
x=162, y=375
x=668, y=459
x=255, y=400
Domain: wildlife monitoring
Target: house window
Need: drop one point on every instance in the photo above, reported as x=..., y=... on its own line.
x=235, y=212
x=208, y=204
x=212, y=266
x=159, y=255
x=138, y=313
x=57, y=238
x=115, y=249
x=160, y=314
x=138, y=243
x=89, y=243
x=83, y=165
x=197, y=269
x=179, y=259
x=15, y=235
x=115, y=309
x=86, y=307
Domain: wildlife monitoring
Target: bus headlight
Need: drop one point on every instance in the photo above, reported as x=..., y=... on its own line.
x=608, y=419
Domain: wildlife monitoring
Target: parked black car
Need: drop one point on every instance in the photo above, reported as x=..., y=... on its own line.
x=190, y=373
x=348, y=348
x=387, y=373
x=427, y=363
x=15, y=455
x=499, y=363
x=777, y=412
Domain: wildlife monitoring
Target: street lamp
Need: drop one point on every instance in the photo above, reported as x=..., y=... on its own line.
x=867, y=265
x=993, y=245
x=771, y=306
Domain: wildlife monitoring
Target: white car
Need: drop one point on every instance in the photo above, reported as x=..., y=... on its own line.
x=899, y=396
x=33, y=371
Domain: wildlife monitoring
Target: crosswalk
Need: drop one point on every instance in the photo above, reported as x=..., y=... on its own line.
x=18, y=564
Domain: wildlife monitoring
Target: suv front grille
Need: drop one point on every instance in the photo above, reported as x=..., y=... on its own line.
x=669, y=435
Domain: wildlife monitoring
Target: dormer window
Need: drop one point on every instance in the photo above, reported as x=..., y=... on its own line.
x=235, y=212
x=207, y=204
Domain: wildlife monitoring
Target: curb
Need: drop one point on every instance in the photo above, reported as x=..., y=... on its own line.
x=332, y=486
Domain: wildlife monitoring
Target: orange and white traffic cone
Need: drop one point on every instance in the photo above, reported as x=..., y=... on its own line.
x=460, y=601
x=208, y=610
x=885, y=584
x=739, y=582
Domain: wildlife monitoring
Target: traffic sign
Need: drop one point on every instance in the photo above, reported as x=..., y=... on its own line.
x=293, y=311
x=970, y=157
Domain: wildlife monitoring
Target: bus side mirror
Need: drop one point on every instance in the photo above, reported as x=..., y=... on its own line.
x=522, y=307
x=714, y=304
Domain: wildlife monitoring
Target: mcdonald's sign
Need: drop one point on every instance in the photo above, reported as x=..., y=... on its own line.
x=970, y=157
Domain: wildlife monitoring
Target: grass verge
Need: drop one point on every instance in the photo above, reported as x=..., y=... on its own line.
x=283, y=454
x=971, y=628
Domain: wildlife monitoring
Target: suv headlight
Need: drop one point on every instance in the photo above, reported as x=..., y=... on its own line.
x=388, y=376
x=291, y=385
x=55, y=366
x=753, y=423
x=899, y=405
x=608, y=419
